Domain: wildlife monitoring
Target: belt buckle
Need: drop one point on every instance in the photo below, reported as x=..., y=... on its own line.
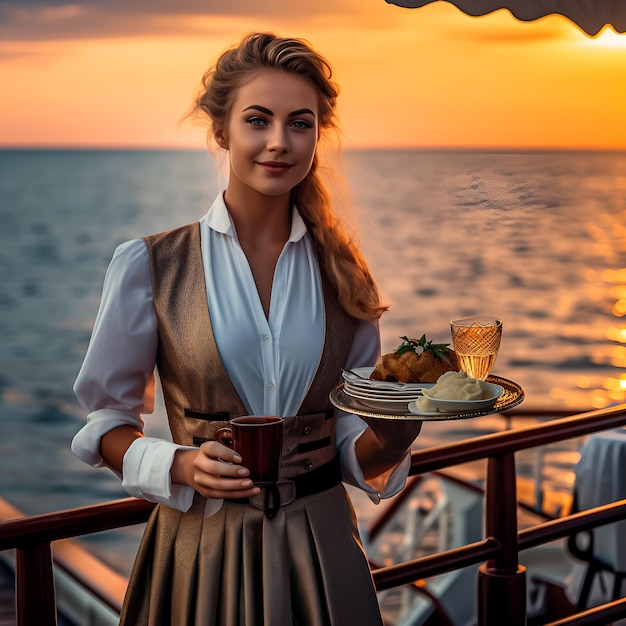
x=287, y=491
x=275, y=496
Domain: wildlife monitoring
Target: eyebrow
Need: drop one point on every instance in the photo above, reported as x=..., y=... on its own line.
x=265, y=110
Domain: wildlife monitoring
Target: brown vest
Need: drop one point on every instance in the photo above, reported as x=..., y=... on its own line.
x=199, y=395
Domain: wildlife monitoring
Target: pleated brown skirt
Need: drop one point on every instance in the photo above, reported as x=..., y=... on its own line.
x=306, y=566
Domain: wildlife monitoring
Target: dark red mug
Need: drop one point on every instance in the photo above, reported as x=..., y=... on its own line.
x=259, y=441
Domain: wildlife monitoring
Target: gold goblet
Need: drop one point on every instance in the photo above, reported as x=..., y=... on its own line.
x=476, y=341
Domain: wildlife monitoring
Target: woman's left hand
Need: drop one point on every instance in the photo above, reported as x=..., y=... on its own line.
x=394, y=433
x=383, y=444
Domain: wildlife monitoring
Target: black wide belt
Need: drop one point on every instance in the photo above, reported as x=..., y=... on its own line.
x=271, y=498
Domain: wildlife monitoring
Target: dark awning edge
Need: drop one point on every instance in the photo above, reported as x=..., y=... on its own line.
x=589, y=15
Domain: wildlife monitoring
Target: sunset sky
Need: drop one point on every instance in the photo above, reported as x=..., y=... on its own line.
x=112, y=73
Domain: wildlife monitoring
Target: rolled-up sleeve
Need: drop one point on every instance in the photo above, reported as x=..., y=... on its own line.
x=365, y=352
x=116, y=381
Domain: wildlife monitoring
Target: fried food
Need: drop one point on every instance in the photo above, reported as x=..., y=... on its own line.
x=416, y=361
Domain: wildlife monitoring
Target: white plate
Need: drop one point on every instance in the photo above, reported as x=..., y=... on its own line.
x=363, y=380
x=380, y=394
x=383, y=404
x=413, y=408
x=386, y=405
x=458, y=406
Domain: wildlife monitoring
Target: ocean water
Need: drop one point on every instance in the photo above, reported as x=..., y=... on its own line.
x=538, y=239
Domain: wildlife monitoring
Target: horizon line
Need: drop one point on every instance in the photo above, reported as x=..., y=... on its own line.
x=425, y=148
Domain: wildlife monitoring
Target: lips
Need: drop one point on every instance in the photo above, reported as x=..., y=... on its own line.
x=275, y=167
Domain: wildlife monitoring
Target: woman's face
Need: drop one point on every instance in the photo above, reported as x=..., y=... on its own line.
x=271, y=133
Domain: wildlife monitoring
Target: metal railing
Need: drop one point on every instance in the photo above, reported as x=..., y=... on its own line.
x=501, y=578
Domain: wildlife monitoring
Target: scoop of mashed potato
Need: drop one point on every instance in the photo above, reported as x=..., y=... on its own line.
x=452, y=386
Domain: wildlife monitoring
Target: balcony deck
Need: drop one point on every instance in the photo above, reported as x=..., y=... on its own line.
x=40, y=539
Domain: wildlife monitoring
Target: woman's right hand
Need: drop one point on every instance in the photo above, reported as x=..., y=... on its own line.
x=214, y=471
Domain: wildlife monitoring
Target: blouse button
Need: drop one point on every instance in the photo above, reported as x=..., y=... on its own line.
x=307, y=430
x=308, y=465
x=271, y=386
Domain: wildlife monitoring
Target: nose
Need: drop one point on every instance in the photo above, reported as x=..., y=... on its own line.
x=277, y=140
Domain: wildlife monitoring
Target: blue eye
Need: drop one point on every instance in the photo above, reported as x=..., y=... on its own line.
x=301, y=124
x=255, y=120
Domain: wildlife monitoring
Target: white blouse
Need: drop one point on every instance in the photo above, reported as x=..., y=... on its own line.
x=271, y=361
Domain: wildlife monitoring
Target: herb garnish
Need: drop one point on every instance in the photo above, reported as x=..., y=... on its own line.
x=419, y=346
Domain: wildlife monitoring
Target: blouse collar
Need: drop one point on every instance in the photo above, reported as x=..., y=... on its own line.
x=218, y=219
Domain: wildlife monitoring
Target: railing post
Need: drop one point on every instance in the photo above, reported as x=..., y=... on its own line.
x=502, y=581
x=34, y=586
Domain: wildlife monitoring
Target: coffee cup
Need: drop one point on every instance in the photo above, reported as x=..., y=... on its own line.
x=259, y=441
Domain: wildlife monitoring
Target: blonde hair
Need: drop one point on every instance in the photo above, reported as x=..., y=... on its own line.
x=337, y=252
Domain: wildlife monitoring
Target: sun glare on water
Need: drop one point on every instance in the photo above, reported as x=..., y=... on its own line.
x=608, y=38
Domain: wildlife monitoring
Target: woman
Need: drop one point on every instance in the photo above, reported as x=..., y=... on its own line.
x=252, y=310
